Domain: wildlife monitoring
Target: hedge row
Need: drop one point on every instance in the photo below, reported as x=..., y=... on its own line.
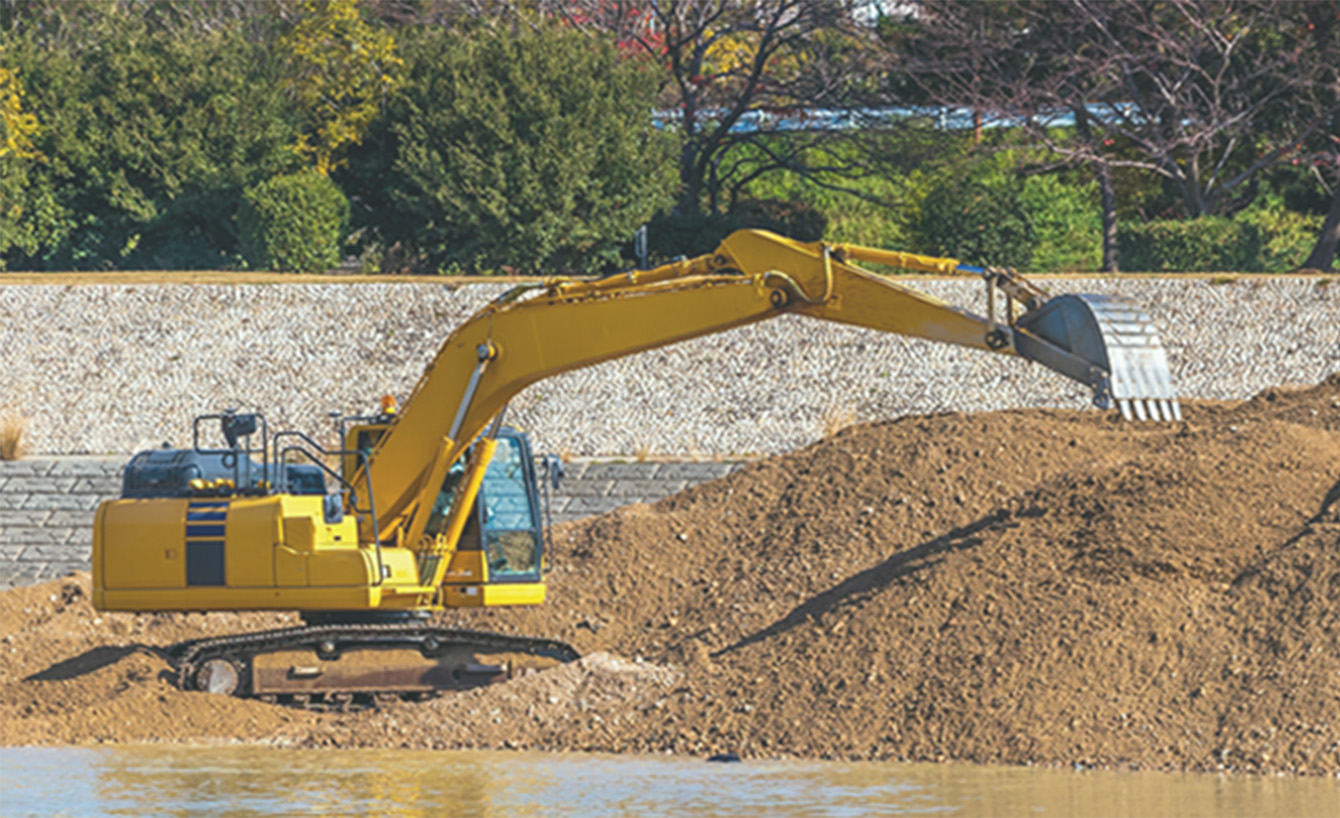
x=294, y=223
x=1209, y=244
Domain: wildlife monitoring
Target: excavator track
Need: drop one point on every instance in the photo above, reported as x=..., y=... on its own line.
x=348, y=666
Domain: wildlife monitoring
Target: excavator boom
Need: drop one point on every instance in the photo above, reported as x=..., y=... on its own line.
x=533, y=333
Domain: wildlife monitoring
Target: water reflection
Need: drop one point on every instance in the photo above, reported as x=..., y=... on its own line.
x=250, y=781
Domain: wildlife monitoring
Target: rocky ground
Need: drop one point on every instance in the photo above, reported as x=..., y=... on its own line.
x=1021, y=587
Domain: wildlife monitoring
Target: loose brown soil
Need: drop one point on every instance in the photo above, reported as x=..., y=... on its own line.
x=1019, y=587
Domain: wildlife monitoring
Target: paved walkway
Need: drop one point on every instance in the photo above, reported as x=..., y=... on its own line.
x=47, y=504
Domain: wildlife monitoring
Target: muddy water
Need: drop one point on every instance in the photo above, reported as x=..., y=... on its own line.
x=249, y=781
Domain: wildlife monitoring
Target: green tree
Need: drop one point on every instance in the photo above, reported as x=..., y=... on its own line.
x=149, y=138
x=22, y=222
x=978, y=222
x=1202, y=95
x=340, y=70
x=738, y=80
x=532, y=150
x=18, y=126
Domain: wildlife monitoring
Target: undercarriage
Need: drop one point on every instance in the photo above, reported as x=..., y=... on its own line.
x=351, y=666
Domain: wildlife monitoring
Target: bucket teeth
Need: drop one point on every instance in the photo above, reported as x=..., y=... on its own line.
x=1156, y=409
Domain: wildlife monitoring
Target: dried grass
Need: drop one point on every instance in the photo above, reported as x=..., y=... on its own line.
x=13, y=427
x=838, y=418
x=642, y=452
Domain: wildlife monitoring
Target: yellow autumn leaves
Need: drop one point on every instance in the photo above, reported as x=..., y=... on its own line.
x=340, y=71
x=19, y=126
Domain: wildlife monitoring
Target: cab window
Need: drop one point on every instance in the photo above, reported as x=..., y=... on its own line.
x=511, y=542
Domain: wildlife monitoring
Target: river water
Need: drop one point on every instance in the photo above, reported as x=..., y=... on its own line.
x=251, y=781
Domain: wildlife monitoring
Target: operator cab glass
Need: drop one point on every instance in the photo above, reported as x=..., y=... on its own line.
x=301, y=478
x=367, y=440
x=510, y=520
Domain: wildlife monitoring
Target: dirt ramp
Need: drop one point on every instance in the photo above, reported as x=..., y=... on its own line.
x=734, y=554
x=1105, y=619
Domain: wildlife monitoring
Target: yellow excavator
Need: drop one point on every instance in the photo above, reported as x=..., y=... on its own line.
x=439, y=505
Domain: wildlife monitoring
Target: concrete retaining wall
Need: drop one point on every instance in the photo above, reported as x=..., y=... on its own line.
x=116, y=368
x=47, y=504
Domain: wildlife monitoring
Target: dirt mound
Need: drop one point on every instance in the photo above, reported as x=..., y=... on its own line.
x=72, y=675
x=1021, y=587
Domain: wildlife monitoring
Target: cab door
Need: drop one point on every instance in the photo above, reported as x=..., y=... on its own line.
x=512, y=539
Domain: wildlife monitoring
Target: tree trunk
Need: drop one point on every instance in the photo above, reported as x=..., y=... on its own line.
x=1324, y=253
x=1109, y=198
x=691, y=183
x=1107, y=193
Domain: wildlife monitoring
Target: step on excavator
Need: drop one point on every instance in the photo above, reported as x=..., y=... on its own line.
x=439, y=505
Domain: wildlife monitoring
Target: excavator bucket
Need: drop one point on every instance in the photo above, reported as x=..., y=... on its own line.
x=1108, y=342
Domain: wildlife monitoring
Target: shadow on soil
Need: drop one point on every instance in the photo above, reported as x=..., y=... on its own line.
x=1328, y=514
x=88, y=662
x=858, y=588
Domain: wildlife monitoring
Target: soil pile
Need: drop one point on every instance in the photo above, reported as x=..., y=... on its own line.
x=1020, y=587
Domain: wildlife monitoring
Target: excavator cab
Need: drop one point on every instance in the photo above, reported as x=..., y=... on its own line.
x=503, y=535
x=503, y=531
x=243, y=528
x=508, y=512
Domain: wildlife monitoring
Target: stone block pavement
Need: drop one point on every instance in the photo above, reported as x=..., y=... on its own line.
x=47, y=503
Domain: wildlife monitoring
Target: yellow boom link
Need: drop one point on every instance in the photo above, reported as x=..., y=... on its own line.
x=902, y=261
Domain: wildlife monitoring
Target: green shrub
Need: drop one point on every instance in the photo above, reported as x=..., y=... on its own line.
x=31, y=218
x=796, y=220
x=148, y=135
x=978, y=223
x=1207, y=244
x=1287, y=236
x=530, y=150
x=1061, y=208
x=673, y=234
x=1067, y=224
x=294, y=223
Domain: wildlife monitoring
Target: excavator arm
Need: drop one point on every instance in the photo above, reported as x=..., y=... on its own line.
x=536, y=331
